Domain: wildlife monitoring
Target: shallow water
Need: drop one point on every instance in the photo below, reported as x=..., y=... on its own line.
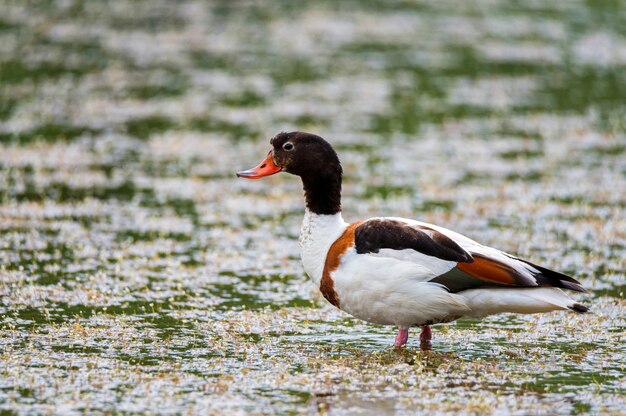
x=139, y=276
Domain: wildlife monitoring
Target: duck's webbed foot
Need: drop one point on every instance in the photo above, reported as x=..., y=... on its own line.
x=425, y=338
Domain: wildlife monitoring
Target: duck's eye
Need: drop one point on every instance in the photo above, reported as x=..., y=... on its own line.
x=288, y=146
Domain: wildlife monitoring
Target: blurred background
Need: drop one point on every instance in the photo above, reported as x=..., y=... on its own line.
x=138, y=274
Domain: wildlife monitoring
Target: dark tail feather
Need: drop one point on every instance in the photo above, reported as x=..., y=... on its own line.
x=548, y=277
x=577, y=307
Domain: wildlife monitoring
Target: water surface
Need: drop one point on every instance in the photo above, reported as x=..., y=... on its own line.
x=139, y=276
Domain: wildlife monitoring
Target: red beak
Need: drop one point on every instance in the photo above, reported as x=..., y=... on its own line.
x=266, y=168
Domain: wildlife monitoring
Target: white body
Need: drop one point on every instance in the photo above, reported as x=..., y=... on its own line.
x=391, y=287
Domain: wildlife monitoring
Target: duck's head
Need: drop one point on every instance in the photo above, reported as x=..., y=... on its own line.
x=302, y=154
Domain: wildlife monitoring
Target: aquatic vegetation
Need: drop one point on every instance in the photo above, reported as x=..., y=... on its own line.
x=137, y=275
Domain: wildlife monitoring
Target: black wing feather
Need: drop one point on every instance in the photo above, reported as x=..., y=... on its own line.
x=373, y=235
x=547, y=277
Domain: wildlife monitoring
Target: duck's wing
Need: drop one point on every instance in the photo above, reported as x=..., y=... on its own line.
x=377, y=234
x=458, y=262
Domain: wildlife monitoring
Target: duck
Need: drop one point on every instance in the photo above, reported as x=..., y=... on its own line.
x=398, y=271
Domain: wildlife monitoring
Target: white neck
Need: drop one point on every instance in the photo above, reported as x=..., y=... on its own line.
x=318, y=233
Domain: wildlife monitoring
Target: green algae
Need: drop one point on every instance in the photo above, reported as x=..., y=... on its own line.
x=50, y=132
x=143, y=128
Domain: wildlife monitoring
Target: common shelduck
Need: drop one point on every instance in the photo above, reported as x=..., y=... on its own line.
x=398, y=271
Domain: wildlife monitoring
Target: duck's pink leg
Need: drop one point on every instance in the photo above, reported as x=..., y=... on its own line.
x=401, y=338
x=425, y=338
